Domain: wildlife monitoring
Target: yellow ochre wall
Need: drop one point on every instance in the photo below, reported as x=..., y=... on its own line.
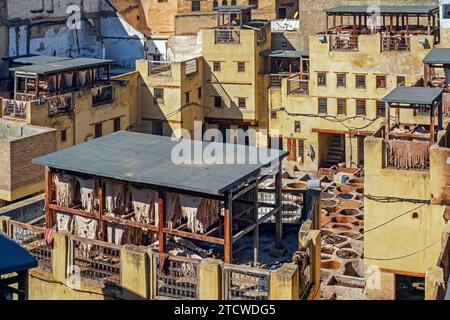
x=367, y=60
x=398, y=246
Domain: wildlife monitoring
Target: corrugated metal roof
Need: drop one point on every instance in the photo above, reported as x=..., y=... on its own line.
x=14, y=258
x=147, y=159
x=438, y=56
x=59, y=66
x=414, y=95
x=384, y=9
x=39, y=59
x=284, y=53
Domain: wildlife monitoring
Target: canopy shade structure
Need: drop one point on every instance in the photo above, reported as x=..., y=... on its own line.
x=438, y=56
x=413, y=96
x=412, y=10
x=14, y=258
x=144, y=158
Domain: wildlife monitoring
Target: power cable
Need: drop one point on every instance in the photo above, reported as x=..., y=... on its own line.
x=387, y=199
x=406, y=255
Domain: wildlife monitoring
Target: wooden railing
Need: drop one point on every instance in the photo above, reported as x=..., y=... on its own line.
x=245, y=283
x=395, y=43
x=15, y=109
x=298, y=84
x=229, y=35
x=344, y=43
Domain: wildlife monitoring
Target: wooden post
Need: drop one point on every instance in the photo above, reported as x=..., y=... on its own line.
x=101, y=208
x=48, y=197
x=228, y=229
x=439, y=105
x=256, y=231
x=429, y=25
x=161, y=225
x=388, y=121
x=432, y=123
x=22, y=285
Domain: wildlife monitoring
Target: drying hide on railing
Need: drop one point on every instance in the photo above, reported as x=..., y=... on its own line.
x=117, y=204
x=179, y=247
x=403, y=154
x=65, y=197
x=85, y=227
x=145, y=204
x=446, y=104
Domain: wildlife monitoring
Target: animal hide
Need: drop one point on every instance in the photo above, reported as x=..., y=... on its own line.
x=85, y=228
x=118, y=234
x=145, y=204
x=64, y=222
x=88, y=201
x=408, y=154
x=65, y=190
x=117, y=200
x=173, y=210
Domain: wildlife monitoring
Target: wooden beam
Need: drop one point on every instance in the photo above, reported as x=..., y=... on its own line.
x=228, y=229
x=161, y=225
x=194, y=236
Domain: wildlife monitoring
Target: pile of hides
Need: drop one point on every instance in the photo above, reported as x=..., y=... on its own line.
x=403, y=154
x=59, y=103
x=200, y=213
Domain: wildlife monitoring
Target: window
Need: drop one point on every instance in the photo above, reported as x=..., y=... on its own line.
x=241, y=103
x=253, y=3
x=241, y=66
x=224, y=2
x=158, y=95
x=381, y=109
x=297, y=127
x=360, y=81
x=381, y=82
x=401, y=81
x=281, y=13
x=342, y=106
x=215, y=4
x=273, y=114
x=199, y=92
x=360, y=107
x=446, y=11
x=323, y=108
x=116, y=124
x=216, y=66
x=195, y=5
x=233, y=2
x=98, y=130
x=322, y=79
x=217, y=102
x=341, y=80
x=63, y=135
x=301, y=150
x=187, y=98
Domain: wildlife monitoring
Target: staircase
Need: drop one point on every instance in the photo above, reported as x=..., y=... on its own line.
x=336, y=152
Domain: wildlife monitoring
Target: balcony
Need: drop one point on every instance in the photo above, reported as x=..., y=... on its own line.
x=344, y=42
x=298, y=84
x=227, y=36
x=15, y=109
x=395, y=43
x=102, y=95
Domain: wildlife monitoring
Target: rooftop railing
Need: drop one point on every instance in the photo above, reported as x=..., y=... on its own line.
x=344, y=42
x=60, y=105
x=227, y=36
x=298, y=84
x=15, y=109
x=395, y=43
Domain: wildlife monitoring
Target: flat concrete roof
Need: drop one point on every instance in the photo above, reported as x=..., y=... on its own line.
x=147, y=159
x=414, y=95
x=438, y=56
x=12, y=130
x=60, y=66
x=422, y=10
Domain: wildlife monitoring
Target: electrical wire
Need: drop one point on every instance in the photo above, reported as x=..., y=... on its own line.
x=406, y=255
x=387, y=199
x=393, y=219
